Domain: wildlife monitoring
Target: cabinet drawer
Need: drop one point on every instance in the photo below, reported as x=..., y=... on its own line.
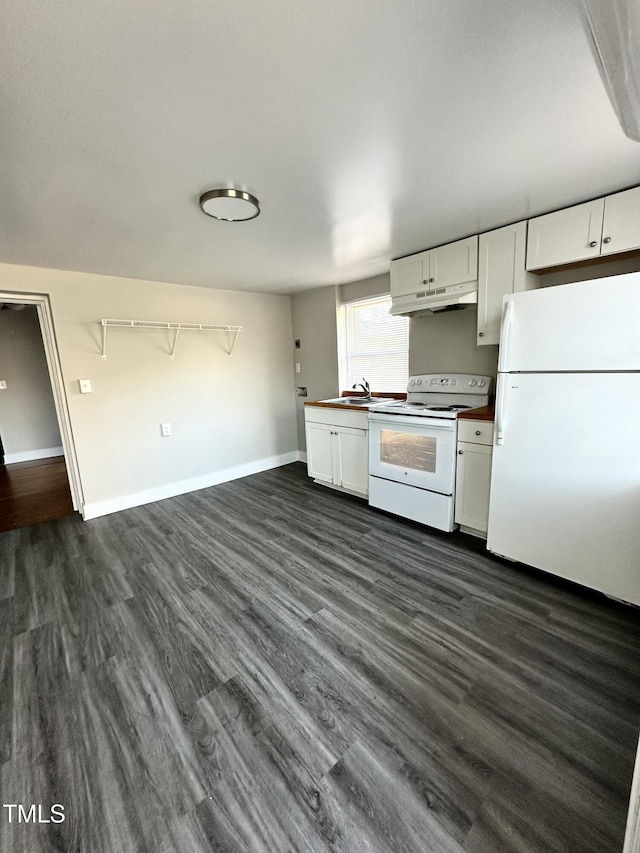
x=336, y=417
x=477, y=432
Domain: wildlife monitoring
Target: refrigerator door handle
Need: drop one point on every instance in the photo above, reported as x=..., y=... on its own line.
x=504, y=336
x=502, y=379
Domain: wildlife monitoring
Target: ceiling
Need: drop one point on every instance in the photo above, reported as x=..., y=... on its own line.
x=368, y=129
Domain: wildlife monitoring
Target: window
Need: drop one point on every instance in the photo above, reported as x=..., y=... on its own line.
x=374, y=345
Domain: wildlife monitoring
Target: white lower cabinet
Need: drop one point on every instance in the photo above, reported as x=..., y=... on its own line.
x=338, y=452
x=320, y=452
x=473, y=475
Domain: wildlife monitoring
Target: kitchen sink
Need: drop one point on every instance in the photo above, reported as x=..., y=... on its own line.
x=358, y=401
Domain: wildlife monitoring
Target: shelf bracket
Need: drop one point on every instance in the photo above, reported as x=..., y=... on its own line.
x=231, y=343
x=175, y=341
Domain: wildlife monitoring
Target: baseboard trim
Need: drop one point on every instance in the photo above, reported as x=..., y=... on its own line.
x=182, y=487
x=302, y=456
x=32, y=455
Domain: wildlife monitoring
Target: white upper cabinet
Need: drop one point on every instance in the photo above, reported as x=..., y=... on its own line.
x=455, y=263
x=621, y=229
x=568, y=235
x=501, y=270
x=409, y=275
x=605, y=226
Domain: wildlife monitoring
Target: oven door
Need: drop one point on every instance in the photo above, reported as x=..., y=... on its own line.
x=417, y=451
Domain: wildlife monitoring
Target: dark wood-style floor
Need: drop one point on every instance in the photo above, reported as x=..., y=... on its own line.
x=268, y=666
x=31, y=492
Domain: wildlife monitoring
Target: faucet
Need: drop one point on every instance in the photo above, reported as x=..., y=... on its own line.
x=365, y=387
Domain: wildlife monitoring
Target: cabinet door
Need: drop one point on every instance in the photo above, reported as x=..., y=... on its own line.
x=473, y=481
x=455, y=263
x=621, y=229
x=565, y=236
x=319, y=451
x=353, y=460
x=500, y=271
x=409, y=275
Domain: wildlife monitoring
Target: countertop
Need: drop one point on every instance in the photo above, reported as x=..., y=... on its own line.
x=484, y=413
x=358, y=407
x=324, y=404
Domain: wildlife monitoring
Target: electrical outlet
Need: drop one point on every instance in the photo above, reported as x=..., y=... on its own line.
x=3, y=384
x=85, y=386
x=166, y=429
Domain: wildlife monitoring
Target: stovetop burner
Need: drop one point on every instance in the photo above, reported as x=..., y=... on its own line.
x=458, y=407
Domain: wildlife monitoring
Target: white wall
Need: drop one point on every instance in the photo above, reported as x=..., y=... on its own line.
x=28, y=422
x=230, y=416
x=446, y=342
x=367, y=288
x=314, y=325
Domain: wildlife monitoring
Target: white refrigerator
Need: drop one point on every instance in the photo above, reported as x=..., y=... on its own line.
x=565, y=482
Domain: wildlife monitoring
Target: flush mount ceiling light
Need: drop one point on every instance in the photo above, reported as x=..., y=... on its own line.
x=230, y=205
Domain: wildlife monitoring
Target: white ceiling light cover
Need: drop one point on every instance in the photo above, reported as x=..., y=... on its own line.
x=230, y=205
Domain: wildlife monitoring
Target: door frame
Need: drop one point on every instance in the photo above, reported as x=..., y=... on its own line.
x=632, y=835
x=47, y=330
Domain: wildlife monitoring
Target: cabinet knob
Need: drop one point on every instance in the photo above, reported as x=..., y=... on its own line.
x=593, y=244
x=460, y=452
x=481, y=334
x=425, y=281
x=478, y=432
x=432, y=280
x=607, y=240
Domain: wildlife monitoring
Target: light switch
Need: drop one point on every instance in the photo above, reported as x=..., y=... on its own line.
x=85, y=386
x=166, y=429
x=297, y=367
x=3, y=384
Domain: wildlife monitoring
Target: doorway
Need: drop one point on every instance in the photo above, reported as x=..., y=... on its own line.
x=41, y=484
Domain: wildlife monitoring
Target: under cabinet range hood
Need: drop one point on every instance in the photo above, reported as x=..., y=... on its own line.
x=432, y=301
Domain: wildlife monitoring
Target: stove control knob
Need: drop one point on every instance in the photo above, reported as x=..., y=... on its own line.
x=413, y=382
x=419, y=382
x=473, y=382
x=482, y=383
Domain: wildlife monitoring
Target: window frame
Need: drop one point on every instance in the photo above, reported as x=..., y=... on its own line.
x=342, y=336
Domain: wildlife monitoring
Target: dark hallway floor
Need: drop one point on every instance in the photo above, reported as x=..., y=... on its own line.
x=31, y=492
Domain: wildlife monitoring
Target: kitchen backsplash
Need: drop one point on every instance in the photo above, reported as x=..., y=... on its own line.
x=447, y=343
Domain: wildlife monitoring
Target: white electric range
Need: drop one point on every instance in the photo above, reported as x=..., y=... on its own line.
x=412, y=446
